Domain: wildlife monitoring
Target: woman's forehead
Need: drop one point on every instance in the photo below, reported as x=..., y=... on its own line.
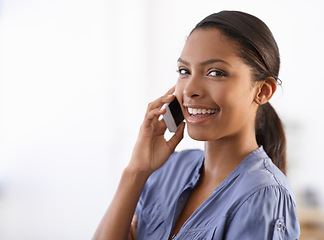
x=210, y=43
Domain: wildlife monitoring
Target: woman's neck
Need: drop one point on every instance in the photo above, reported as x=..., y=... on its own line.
x=224, y=155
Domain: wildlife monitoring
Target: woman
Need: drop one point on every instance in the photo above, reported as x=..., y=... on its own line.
x=228, y=72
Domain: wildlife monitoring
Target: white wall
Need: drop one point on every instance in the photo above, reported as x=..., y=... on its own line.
x=75, y=80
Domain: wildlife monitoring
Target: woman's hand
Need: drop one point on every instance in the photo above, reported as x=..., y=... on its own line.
x=133, y=229
x=152, y=150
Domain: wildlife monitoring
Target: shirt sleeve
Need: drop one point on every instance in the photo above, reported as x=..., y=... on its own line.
x=269, y=213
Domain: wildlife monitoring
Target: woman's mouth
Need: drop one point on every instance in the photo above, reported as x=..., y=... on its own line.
x=199, y=115
x=197, y=112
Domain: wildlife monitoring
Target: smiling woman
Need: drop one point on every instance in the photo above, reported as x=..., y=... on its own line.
x=228, y=71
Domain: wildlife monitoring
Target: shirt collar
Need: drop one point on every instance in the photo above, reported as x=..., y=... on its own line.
x=253, y=156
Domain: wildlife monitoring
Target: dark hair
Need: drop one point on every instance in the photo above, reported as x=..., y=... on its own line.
x=259, y=50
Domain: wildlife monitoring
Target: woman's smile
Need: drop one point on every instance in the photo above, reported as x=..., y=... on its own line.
x=197, y=114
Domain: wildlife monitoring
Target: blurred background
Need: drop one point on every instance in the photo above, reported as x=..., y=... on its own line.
x=76, y=77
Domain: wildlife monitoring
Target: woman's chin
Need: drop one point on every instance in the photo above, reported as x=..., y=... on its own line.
x=198, y=135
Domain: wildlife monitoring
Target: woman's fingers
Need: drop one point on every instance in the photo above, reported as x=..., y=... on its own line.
x=158, y=103
x=155, y=113
x=177, y=137
x=155, y=110
x=150, y=116
x=134, y=222
x=133, y=229
x=171, y=90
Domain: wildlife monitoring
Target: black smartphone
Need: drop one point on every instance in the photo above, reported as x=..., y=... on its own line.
x=173, y=116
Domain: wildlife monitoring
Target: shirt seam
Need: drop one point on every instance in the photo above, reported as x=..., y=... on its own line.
x=274, y=176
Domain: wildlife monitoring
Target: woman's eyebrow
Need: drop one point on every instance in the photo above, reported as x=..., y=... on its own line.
x=183, y=61
x=207, y=62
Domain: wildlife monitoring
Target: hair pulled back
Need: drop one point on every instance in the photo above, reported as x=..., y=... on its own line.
x=259, y=50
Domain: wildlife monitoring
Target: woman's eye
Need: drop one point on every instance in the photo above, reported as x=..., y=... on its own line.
x=216, y=73
x=183, y=71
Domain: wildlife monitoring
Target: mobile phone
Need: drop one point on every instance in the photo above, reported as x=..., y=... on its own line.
x=173, y=116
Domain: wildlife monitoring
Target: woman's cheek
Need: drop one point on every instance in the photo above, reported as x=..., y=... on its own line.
x=179, y=91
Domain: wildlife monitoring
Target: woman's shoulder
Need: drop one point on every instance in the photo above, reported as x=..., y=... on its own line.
x=269, y=199
x=261, y=171
x=269, y=175
x=258, y=173
x=272, y=208
x=262, y=193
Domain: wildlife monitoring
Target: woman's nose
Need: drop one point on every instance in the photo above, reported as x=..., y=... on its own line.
x=193, y=87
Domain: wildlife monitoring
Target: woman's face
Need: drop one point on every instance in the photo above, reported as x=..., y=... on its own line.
x=214, y=87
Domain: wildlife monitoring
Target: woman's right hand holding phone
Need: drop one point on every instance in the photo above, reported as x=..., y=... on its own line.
x=152, y=150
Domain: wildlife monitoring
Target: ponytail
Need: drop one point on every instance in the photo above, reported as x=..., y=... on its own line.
x=270, y=133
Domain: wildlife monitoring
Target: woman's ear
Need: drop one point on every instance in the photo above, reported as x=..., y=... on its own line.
x=265, y=91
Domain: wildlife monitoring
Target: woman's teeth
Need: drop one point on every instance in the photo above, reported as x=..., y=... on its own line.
x=201, y=111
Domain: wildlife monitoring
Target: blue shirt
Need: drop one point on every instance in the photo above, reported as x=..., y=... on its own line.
x=254, y=202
